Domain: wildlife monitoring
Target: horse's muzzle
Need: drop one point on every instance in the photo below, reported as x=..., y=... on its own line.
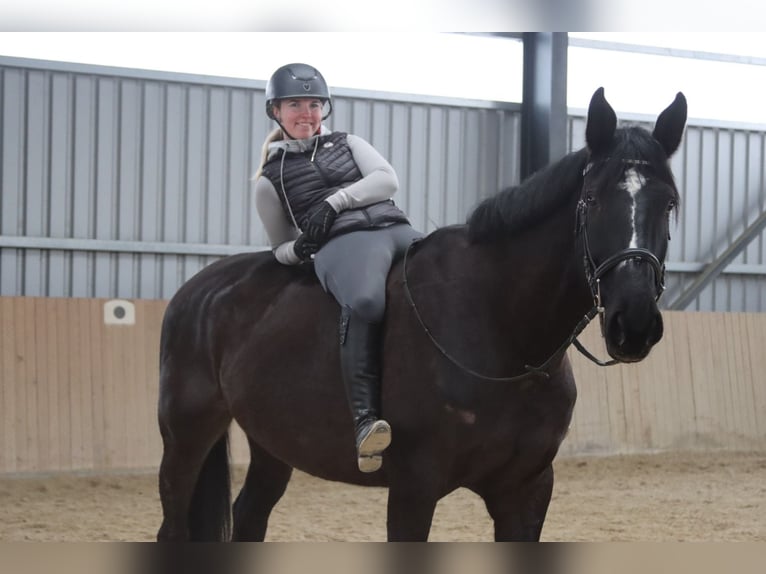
x=632, y=331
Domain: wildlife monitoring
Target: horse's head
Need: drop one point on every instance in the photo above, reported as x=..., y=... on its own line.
x=624, y=213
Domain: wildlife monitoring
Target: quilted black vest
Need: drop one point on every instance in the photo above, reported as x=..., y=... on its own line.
x=302, y=183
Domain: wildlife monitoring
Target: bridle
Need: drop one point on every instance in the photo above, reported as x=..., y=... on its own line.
x=593, y=274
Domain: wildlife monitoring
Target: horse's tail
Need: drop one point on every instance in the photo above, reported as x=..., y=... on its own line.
x=210, y=510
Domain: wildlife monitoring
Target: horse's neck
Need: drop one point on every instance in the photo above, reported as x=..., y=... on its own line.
x=543, y=273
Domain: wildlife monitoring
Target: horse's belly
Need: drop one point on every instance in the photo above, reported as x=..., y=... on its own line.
x=308, y=427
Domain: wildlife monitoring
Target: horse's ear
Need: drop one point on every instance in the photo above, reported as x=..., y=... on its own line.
x=602, y=121
x=670, y=125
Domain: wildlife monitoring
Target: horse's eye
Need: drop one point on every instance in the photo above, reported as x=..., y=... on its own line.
x=672, y=205
x=590, y=199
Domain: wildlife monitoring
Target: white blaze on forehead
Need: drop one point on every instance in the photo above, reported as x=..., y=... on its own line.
x=633, y=183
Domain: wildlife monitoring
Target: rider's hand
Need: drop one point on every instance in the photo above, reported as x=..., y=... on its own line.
x=304, y=248
x=320, y=220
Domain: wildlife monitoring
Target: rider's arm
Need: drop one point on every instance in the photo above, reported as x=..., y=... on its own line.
x=279, y=228
x=378, y=183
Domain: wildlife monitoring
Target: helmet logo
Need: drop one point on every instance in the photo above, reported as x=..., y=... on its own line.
x=307, y=86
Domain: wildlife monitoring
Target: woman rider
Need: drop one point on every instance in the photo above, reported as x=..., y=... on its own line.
x=325, y=196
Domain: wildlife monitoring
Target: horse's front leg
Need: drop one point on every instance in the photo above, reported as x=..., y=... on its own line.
x=410, y=512
x=518, y=508
x=414, y=483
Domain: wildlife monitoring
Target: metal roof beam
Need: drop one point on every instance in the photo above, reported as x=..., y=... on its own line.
x=665, y=51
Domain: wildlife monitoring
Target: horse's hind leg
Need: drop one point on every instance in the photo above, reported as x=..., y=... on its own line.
x=266, y=482
x=193, y=426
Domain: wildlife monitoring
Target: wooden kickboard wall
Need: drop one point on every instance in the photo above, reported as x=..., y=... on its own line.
x=78, y=394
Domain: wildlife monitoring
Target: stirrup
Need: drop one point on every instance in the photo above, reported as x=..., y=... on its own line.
x=375, y=439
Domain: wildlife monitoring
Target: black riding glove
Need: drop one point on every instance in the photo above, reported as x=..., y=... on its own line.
x=319, y=222
x=304, y=248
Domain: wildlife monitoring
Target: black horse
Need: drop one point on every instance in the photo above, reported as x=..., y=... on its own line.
x=473, y=310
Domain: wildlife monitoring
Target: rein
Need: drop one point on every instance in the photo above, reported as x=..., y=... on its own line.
x=593, y=274
x=531, y=371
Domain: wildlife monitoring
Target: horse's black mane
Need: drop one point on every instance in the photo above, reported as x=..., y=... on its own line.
x=520, y=207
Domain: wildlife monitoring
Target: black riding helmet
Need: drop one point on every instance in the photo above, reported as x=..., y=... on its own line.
x=296, y=81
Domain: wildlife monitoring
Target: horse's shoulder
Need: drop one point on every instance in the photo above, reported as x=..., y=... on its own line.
x=439, y=244
x=441, y=240
x=430, y=255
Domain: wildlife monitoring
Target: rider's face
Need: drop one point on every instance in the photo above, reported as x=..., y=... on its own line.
x=301, y=118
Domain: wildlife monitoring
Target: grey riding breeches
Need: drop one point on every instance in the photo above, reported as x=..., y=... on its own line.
x=354, y=267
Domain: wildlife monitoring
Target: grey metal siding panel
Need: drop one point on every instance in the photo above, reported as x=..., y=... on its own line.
x=13, y=145
x=83, y=187
x=415, y=176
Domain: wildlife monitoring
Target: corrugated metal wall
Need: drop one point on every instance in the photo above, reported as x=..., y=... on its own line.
x=124, y=183
x=120, y=183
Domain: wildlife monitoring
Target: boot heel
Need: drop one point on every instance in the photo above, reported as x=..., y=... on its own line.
x=369, y=463
x=376, y=439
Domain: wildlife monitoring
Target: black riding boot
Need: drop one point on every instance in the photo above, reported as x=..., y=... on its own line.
x=360, y=365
